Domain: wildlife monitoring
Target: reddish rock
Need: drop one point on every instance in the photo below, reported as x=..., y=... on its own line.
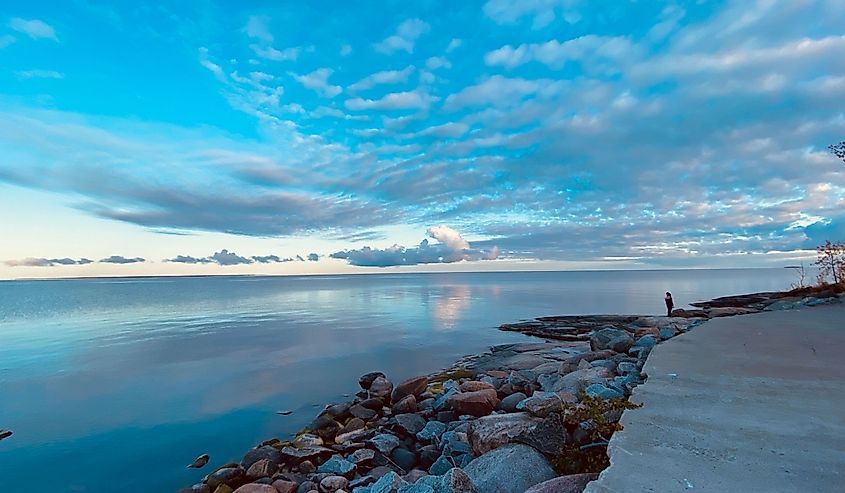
x=646, y=331
x=479, y=403
x=412, y=386
x=261, y=469
x=407, y=404
x=256, y=488
x=283, y=486
x=573, y=483
x=474, y=386
x=498, y=374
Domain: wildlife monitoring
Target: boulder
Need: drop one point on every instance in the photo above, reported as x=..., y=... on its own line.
x=579, y=380
x=363, y=413
x=337, y=465
x=380, y=387
x=404, y=458
x=454, y=443
x=542, y=404
x=225, y=475
x=440, y=466
x=456, y=481
x=491, y=432
x=474, y=386
x=478, y=403
x=256, y=488
x=509, y=403
x=549, y=436
x=509, y=469
x=261, y=469
x=367, y=380
x=389, y=483
x=331, y=484
x=307, y=440
x=431, y=431
x=603, y=392
x=362, y=456
x=407, y=404
x=412, y=386
x=283, y=486
x=571, y=363
x=573, y=483
x=384, y=443
x=610, y=338
x=410, y=424
x=266, y=452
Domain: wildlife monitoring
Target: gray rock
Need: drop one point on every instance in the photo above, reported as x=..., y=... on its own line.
x=667, y=333
x=440, y=466
x=542, y=404
x=578, y=380
x=331, y=484
x=431, y=431
x=491, y=432
x=381, y=387
x=548, y=381
x=410, y=424
x=225, y=475
x=337, y=465
x=389, y=483
x=603, y=392
x=549, y=436
x=404, y=458
x=626, y=367
x=266, y=452
x=367, y=380
x=646, y=341
x=509, y=469
x=573, y=483
x=384, y=443
x=362, y=412
x=610, y=338
x=454, y=443
x=509, y=403
x=416, y=488
x=362, y=456
x=450, y=388
x=605, y=363
x=307, y=486
x=456, y=481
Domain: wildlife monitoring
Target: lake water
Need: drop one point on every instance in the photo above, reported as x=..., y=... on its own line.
x=116, y=384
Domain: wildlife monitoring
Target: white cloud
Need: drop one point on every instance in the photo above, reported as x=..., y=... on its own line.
x=345, y=50
x=452, y=247
x=405, y=37
x=39, y=74
x=35, y=29
x=497, y=90
x=437, y=62
x=384, y=77
x=393, y=101
x=256, y=28
x=211, y=66
x=542, y=12
x=451, y=129
x=453, y=45
x=555, y=53
x=270, y=53
x=318, y=81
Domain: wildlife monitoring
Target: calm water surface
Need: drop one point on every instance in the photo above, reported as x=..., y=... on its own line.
x=116, y=385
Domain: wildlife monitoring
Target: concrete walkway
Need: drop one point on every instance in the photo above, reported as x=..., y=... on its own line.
x=748, y=404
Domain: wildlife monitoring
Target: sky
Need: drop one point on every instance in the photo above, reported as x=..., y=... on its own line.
x=222, y=137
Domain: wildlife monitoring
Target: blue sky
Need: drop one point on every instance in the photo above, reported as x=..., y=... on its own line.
x=244, y=137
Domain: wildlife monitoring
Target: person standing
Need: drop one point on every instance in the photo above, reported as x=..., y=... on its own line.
x=670, y=303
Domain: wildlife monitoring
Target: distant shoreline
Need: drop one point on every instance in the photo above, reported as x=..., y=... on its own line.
x=392, y=273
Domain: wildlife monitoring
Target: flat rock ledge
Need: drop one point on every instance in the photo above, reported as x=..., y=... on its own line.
x=534, y=416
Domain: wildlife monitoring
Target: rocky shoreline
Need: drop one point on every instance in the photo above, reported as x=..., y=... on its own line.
x=532, y=417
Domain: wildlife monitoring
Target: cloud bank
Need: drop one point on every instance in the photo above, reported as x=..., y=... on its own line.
x=47, y=262
x=451, y=248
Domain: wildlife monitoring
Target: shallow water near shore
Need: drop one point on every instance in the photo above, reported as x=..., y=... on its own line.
x=117, y=384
